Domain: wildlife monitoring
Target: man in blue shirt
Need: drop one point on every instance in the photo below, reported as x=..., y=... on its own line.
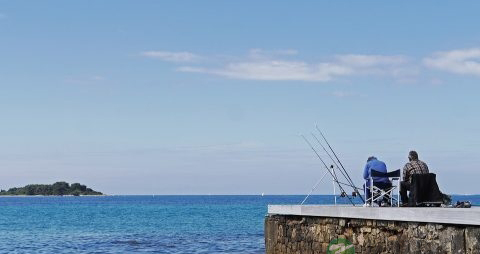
x=381, y=182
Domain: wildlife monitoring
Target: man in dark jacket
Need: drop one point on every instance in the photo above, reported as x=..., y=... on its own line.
x=414, y=166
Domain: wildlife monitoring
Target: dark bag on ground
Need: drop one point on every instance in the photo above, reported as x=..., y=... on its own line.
x=463, y=204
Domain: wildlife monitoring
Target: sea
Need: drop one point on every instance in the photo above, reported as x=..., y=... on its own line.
x=143, y=224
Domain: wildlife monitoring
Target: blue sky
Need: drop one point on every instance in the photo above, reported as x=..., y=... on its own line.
x=190, y=97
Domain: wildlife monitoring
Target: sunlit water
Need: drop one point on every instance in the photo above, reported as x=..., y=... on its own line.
x=132, y=224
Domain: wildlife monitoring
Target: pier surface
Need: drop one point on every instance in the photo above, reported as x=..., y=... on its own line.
x=463, y=216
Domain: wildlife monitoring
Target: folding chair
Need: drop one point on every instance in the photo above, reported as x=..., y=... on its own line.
x=378, y=194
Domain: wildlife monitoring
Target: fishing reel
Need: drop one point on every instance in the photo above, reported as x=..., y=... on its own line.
x=343, y=194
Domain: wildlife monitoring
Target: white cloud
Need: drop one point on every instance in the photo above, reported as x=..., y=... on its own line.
x=97, y=78
x=171, y=56
x=342, y=94
x=463, y=61
x=371, y=60
x=395, y=66
x=276, y=70
x=268, y=65
x=267, y=54
x=345, y=94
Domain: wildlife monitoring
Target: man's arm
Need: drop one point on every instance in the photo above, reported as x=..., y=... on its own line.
x=366, y=173
x=405, y=173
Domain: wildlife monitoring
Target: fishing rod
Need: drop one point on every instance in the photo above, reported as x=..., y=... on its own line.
x=318, y=141
x=341, y=171
x=351, y=184
x=331, y=149
x=333, y=176
x=347, y=175
x=347, y=184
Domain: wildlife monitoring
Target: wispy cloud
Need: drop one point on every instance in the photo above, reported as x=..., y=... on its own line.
x=462, y=61
x=272, y=65
x=97, y=78
x=344, y=94
x=3, y=16
x=371, y=60
x=396, y=66
x=275, y=70
x=176, y=57
x=267, y=54
x=287, y=65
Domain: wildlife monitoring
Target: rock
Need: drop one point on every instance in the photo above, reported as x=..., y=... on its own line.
x=472, y=240
x=369, y=223
x=421, y=232
x=392, y=238
x=361, y=239
x=365, y=230
x=391, y=224
x=458, y=241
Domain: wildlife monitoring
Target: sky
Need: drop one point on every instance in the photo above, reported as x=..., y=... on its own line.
x=210, y=97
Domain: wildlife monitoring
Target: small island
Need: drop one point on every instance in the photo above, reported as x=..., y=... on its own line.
x=56, y=189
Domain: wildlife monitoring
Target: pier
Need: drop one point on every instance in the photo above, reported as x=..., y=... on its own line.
x=313, y=228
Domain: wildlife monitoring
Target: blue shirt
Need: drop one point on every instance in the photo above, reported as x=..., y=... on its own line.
x=378, y=166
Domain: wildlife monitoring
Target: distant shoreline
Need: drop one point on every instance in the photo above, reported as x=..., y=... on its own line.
x=111, y=195
x=42, y=196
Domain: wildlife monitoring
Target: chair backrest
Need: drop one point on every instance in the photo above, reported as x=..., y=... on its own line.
x=424, y=189
x=395, y=173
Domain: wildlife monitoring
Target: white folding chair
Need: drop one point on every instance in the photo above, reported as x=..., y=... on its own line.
x=378, y=194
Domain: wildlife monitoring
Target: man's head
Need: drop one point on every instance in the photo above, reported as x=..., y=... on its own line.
x=371, y=158
x=412, y=156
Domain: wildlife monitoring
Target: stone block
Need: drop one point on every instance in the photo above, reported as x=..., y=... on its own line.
x=472, y=240
x=391, y=224
x=458, y=241
x=366, y=230
x=382, y=223
x=360, y=239
x=421, y=232
x=324, y=247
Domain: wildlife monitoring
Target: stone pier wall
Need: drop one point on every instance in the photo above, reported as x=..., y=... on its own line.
x=311, y=234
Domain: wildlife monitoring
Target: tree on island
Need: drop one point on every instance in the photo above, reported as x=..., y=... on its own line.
x=56, y=189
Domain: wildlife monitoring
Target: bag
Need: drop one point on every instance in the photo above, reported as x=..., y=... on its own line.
x=463, y=204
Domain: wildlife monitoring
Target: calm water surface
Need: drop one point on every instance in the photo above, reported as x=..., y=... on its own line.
x=133, y=224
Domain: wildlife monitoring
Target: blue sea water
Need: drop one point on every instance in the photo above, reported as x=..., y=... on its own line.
x=141, y=224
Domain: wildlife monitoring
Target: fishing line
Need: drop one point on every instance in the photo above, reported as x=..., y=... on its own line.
x=341, y=171
x=314, y=187
x=347, y=175
x=335, y=179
